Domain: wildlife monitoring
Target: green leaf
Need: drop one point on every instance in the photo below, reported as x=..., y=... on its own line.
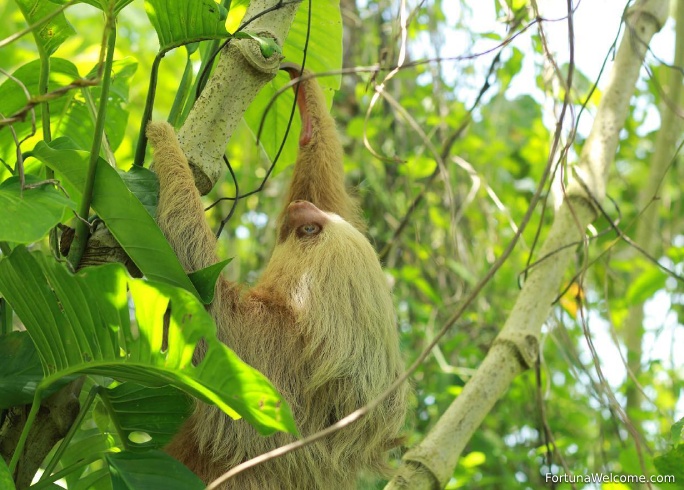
x=671, y=463
x=86, y=442
x=81, y=324
x=144, y=185
x=62, y=72
x=127, y=219
x=20, y=371
x=676, y=431
x=179, y=22
x=37, y=209
x=51, y=34
x=78, y=120
x=97, y=479
x=153, y=469
x=238, y=9
x=155, y=412
x=645, y=285
x=205, y=280
x=101, y=4
x=324, y=49
x=418, y=167
x=13, y=98
x=6, y=481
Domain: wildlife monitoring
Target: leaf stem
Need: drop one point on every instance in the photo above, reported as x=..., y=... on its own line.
x=35, y=406
x=43, y=81
x=43, y=87
x=81, y=235
x=147, y=113
x=182, y=94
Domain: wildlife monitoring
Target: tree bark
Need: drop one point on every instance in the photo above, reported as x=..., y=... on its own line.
x=239, y=76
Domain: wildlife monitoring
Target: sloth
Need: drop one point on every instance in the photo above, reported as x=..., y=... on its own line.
x=319, y=323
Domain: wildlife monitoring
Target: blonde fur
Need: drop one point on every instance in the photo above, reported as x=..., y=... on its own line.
x=319, y=324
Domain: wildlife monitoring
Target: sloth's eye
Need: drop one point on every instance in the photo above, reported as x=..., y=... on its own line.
x=309, y=229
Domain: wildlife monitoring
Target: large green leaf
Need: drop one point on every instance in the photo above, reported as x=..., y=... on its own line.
x=645, y=285
x=179, y=22
x=153, y=469
x=78, y=120
x=85, y=443
x=144, y=185
x=101, y=4
x=323, y=54
x=62, y=72
x=51, y=34
x=81, y=324
x=13, y=98
x=671, y=464
x=140, y=410
x=70, y=115
x=20, y=370
x=6, y=481
x=125, y=216
x=324, y=49
x=37, y=209
x=238, y=9
x=205, y=280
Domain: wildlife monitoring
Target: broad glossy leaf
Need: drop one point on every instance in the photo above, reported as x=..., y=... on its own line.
x=324, y=48
x=51, y=34
x=101, y=4
x=78, y=121
x=13, y=98
x=85, y=443
x=127, y=219
x=205, y=280
x=152, y=469
x=238, y=9
x=144, y=185
x=645, y=285
x=418, y=167
x=37, y=210
x=81, y=324
x=5, y=476
x=156, y=412
x=677, y=431
x=179, y=22
x=20, y=370
x=671, y=463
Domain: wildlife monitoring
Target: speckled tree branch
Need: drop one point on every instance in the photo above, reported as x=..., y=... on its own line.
x=239, y=75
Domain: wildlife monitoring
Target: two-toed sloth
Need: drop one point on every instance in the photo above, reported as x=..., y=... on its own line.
x=319, y=323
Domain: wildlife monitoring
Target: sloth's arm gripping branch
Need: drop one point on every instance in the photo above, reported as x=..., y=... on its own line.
x=319, y=170
x=180, y=213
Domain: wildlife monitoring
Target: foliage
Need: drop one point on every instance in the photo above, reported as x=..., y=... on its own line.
x=565, y=417
x=101, y=322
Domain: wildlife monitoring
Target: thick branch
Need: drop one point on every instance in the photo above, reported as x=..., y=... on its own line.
x=240, y=74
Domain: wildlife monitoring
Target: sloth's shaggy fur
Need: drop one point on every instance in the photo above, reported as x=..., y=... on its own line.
x=319, y=324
